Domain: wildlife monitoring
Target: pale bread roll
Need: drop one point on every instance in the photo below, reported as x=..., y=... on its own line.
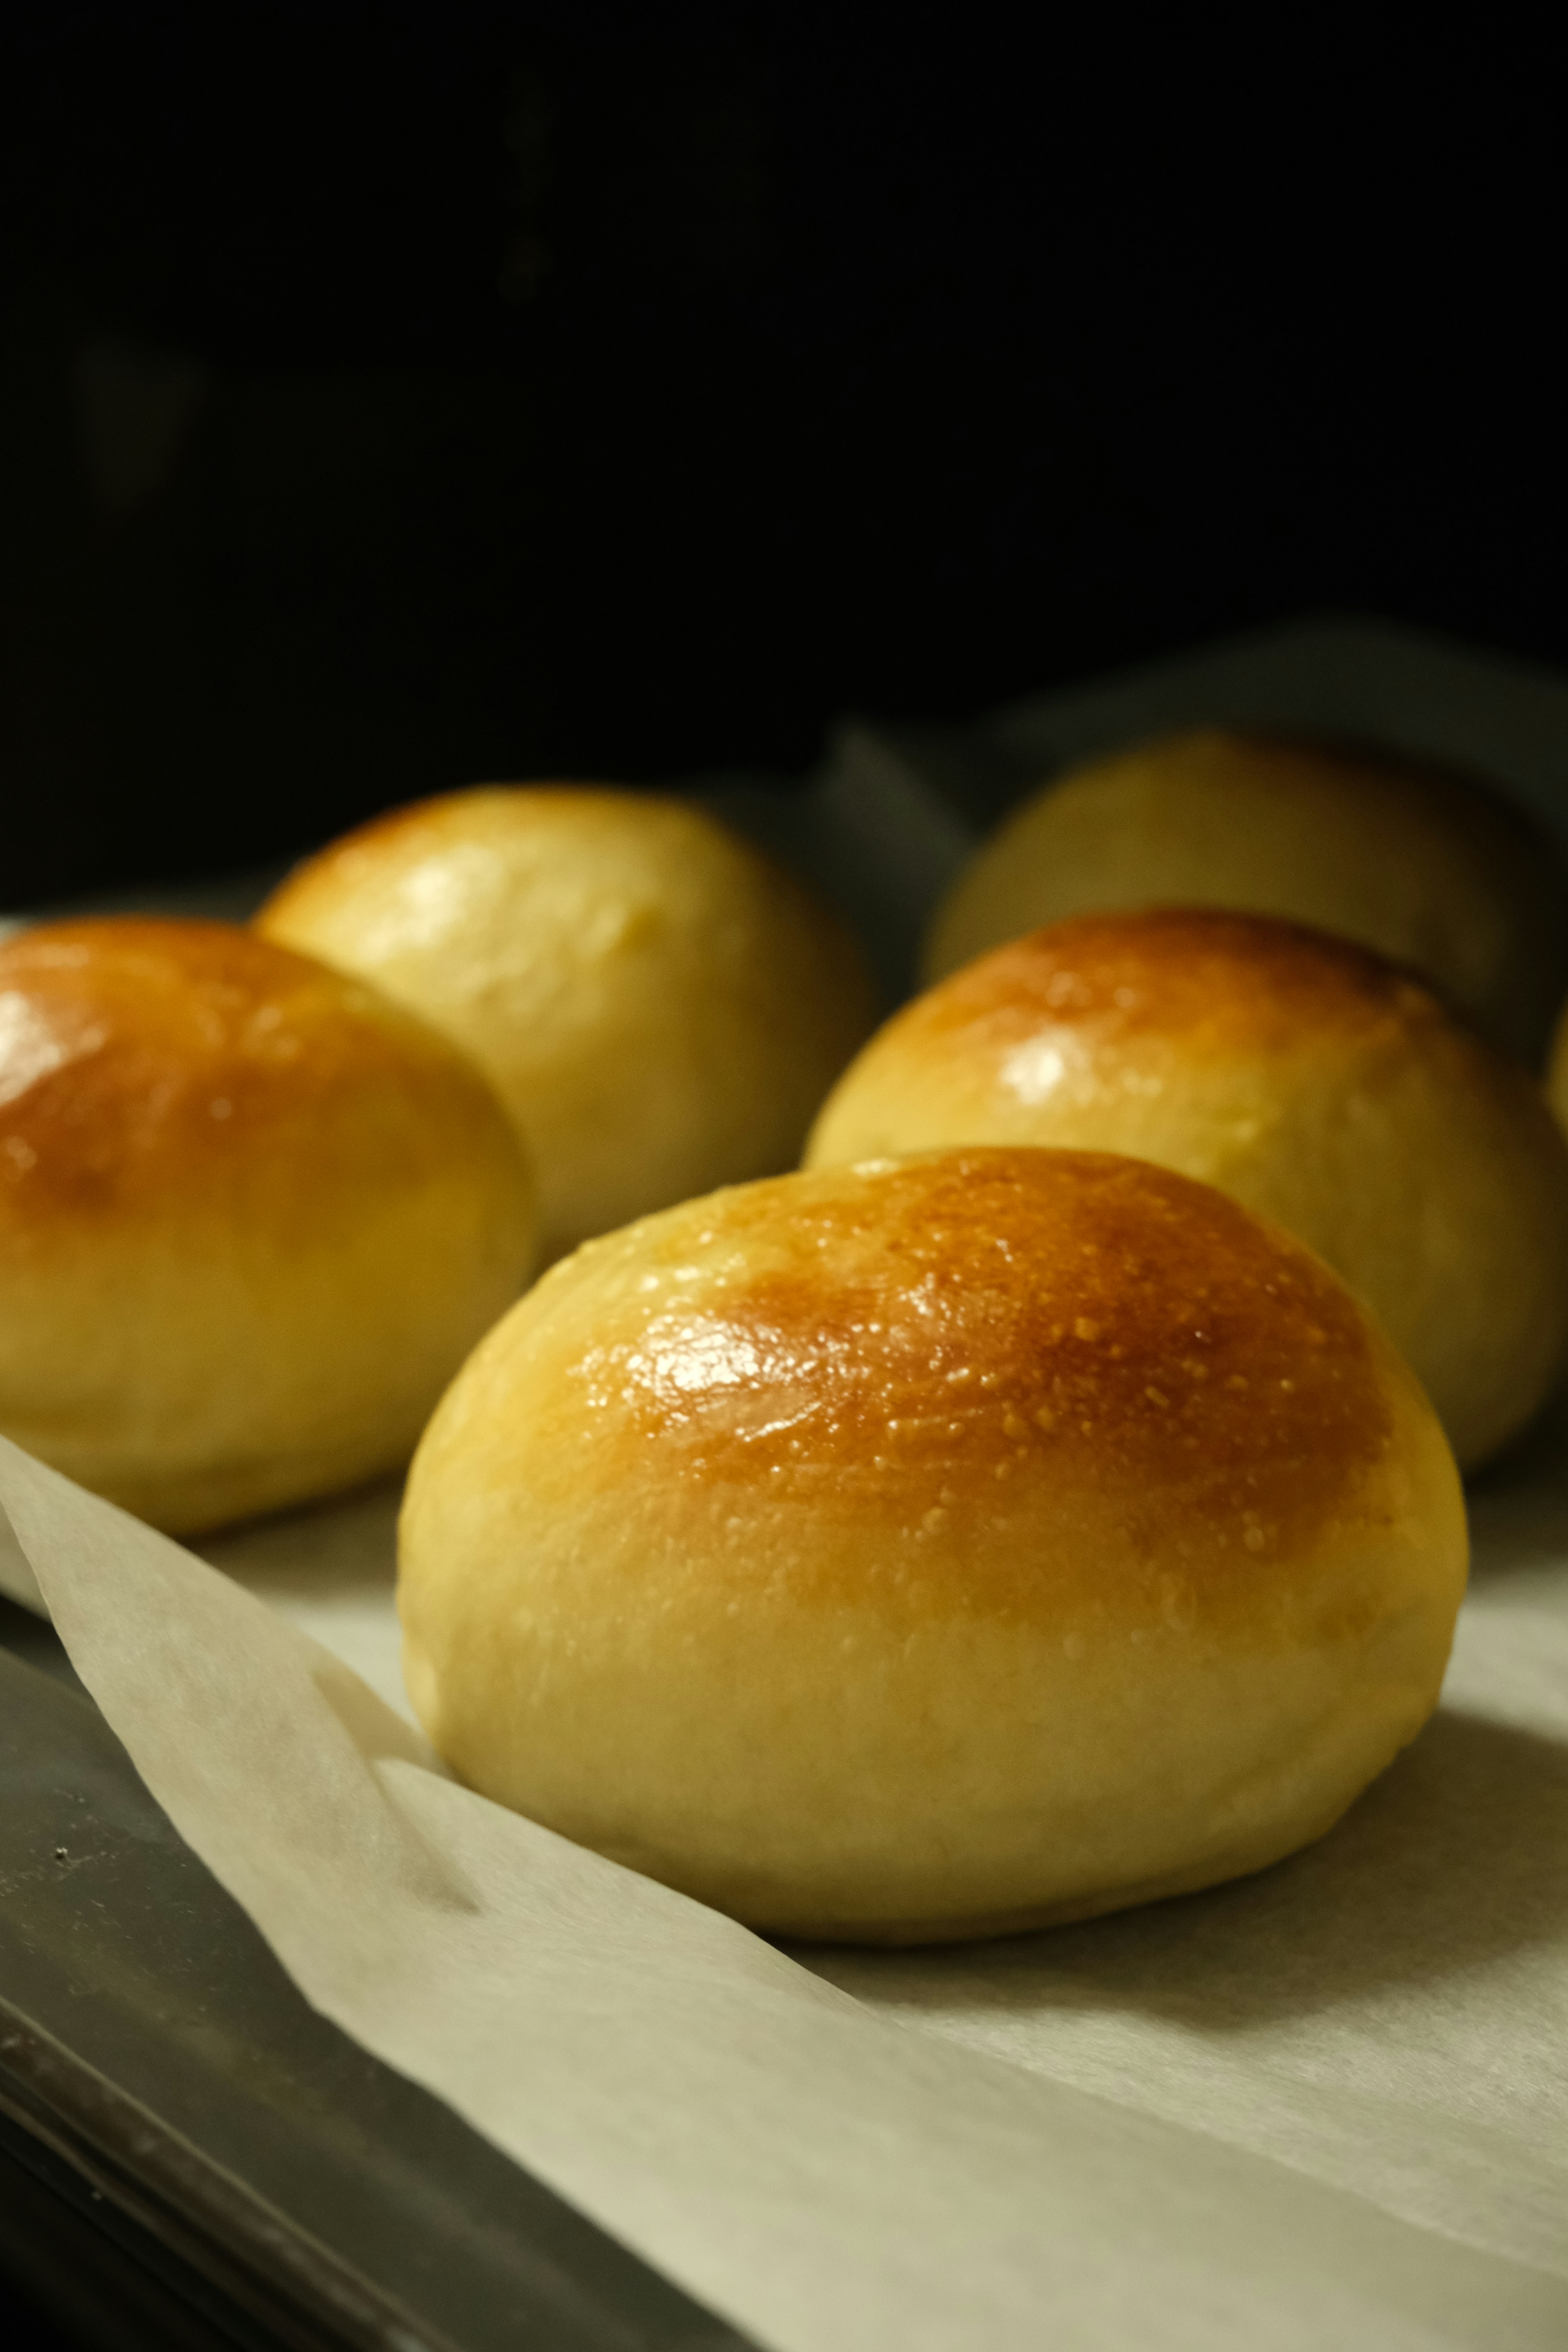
x=930, y=1549
x=252, y=1218
x=1318, y=1084
x=659, y=1006
x=1424, y=866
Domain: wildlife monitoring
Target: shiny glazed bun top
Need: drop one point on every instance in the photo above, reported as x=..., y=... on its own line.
x=1426, y=866
x=659, y=1006
x=1323, y=1087
x=252, y=1217
x=927, y=1548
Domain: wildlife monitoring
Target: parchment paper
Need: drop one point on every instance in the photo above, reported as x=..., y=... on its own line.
x=798, y=2158
x=1388, y=2012
x=1323, y=2108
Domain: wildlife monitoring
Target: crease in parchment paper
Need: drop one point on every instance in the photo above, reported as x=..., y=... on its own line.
x=773, y=2136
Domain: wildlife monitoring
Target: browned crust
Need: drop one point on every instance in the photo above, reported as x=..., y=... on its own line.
x=147, y=1063
x=945, y=1337
x=1214, y=980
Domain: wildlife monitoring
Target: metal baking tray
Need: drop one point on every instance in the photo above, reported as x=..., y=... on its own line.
x=189, y=2154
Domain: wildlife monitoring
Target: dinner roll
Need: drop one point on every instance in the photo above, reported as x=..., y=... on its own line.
x=659, y=1007
x=1426, y=866
x=1557, y=1072
x=252, y=1217
x=929, y=1549
x=1318, y=1084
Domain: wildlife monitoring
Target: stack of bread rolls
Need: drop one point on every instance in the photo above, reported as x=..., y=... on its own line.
x=1323, y=1087
x=1045, y=1500
x=258, y=1204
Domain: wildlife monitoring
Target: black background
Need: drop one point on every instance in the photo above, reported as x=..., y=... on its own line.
x=395, y=396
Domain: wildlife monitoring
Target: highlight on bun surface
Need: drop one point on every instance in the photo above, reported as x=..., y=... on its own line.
x=1422, y=864
x=928, y=1549
x=659, y=1007
x=252, y=1217
x=1557, y=1073
x=1318, y=1084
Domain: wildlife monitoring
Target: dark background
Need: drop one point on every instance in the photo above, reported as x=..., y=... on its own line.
x=397, y=395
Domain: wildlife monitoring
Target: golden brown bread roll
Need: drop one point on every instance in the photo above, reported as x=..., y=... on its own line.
x=1557, y=1072
x=1320, y=1086
x=933, y=1549
x=659, y=1007
x=252, y=1217
x=1424, y=866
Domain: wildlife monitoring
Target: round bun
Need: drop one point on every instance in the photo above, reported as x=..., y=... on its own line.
x=252, y=1218
x=1317, y=1084
x=661, y=1008
x=1426, y=868
x=1557, y=1072
x=933, y=1549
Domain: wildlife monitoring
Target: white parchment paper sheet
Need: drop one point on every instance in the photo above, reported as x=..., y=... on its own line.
x=797, y=2157
x=1388, y=2012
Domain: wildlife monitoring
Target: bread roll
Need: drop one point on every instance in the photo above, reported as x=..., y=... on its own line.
x=1318, y=1084
x=1425, y=866
x=924, y=1551
x=660, y=1008
x=252, y=1218
x=1557, y=1073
